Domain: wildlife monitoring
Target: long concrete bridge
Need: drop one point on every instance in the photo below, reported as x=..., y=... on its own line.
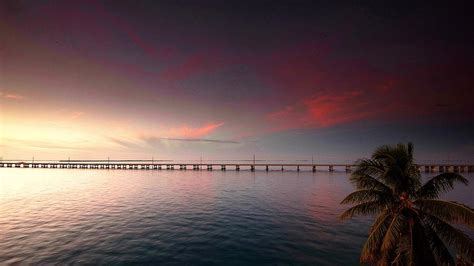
x=151, y=165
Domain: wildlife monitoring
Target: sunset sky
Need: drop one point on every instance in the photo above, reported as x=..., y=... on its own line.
x=229, y=79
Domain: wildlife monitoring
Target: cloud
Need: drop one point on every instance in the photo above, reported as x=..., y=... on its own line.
x=11, y=96
x=203, y=140
x=194, y=132
x=58, y=145
x=126, y=143
x=314, y=87
x=154, y=140
x=76, y=115
x=322, y=110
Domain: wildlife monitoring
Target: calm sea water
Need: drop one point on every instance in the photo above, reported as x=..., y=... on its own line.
x=179, y=217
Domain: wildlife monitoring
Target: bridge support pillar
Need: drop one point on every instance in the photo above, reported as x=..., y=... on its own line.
x=348, y=168
x=314, y=168
x=237, y=168
x=266, y=168
x=427, y=169
x=297, y=168
x=223, y=167
x=456, y=169
x=331, y=168
x=252, y=168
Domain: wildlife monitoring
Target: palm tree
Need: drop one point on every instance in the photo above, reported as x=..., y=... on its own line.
x=412, y=225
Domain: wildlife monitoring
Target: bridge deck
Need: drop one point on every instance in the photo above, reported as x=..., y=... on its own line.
x=170, y=165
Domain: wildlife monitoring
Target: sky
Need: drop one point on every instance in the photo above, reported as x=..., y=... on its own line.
x=179, y=79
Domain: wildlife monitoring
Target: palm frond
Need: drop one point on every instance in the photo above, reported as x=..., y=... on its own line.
x=366, y=208
x=395, y=230
x=453, y=237
x=403, y=252
x=449, y=211
x=362, y=181
x=369, y=167
x=437, y=246
x=384, y=153
x=421, y=251
x=371, y=250
x=410, y=149
x=367, y=175
x=440, y=183
x=366, y=195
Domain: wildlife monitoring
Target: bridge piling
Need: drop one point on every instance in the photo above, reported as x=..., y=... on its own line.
x=348, y=168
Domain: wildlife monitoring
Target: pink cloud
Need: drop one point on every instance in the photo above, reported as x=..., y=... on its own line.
x=76, y=115
x=11, y=96
x=194, y=132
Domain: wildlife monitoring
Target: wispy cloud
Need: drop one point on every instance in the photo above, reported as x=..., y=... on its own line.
x=56, y=145
x=76, y=115
x=153, y=140
x=11, y=96
x=126, y=143
x=189, y=132
x=203, y=140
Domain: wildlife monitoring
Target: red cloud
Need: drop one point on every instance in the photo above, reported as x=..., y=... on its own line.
x=322, y=111
x=318, y=88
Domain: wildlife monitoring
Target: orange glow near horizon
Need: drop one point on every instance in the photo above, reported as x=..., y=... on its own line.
x=58, y=133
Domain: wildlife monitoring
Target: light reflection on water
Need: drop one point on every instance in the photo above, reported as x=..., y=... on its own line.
x=179, y=217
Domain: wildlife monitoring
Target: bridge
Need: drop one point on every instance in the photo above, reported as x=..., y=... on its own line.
x=173, y=165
